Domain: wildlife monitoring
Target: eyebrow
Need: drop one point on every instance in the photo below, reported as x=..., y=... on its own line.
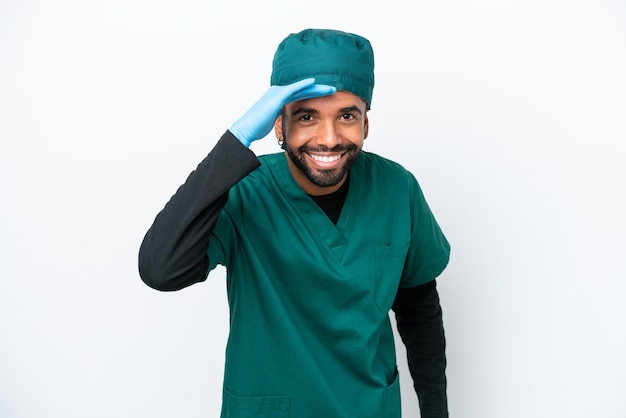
x=299, y=110
x=348, y=109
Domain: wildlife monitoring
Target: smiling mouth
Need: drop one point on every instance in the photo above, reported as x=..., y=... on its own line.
x=325, y=158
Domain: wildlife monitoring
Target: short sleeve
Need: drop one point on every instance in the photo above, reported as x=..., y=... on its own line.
x=223, y=241
x=429, y=250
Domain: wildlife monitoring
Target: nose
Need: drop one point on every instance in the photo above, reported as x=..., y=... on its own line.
x=328, y=135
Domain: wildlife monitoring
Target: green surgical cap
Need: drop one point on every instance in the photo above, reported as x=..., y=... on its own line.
x=340, y=59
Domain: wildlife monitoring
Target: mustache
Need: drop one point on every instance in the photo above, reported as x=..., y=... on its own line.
x=336, y=148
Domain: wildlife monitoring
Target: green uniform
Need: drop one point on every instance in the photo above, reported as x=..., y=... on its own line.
x=309, y=300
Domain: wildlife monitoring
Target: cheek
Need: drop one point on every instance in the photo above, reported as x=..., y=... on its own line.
x=355, y=134
x=299, y=135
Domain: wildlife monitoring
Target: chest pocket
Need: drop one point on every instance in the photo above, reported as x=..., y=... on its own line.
x=255, y=407
x=389, y=264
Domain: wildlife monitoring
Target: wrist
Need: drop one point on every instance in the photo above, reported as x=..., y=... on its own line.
x=233, y=130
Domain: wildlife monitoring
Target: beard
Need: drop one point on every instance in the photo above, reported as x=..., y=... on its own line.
x=319, y=177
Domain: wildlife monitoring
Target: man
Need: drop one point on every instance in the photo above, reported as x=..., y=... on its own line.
x=319, y=242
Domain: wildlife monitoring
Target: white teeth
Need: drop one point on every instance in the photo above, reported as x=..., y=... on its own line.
x=325, y=158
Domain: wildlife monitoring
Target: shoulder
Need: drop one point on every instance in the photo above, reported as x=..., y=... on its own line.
x=377, y=167
x=261, y=179
x=378, y=161
x=269, y=162
x=268, y=158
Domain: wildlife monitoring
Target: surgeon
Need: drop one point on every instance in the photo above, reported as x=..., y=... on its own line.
x=319, y=240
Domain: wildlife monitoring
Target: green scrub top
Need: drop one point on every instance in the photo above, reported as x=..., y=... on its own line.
x=310, y=334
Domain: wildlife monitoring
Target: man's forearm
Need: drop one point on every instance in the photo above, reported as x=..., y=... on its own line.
x=420, y=325
x=173, y=253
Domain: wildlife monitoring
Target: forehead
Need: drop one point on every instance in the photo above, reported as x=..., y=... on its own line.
x=339, y=100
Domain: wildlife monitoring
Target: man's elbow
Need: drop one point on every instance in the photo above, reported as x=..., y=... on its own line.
x=153, y=275
x=164, y=277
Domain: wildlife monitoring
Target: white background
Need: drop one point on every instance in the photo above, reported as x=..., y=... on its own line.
x=510, y=113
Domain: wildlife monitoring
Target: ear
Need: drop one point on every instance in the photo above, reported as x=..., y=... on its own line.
x=278, y=128
x=366, y=126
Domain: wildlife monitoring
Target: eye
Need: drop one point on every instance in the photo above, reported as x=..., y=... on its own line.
x=306, y=117
x=347, y=116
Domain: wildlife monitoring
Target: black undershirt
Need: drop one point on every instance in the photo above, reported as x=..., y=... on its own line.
x=332, y=203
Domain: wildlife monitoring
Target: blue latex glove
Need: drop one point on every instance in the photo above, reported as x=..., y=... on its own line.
x=258, y=121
